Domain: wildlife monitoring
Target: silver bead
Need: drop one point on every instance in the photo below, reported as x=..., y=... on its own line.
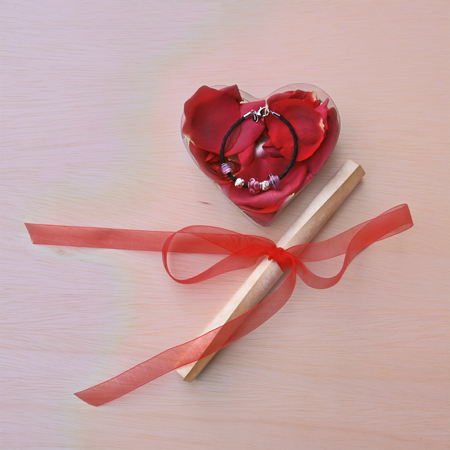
x=239, y=183
x=264, y=185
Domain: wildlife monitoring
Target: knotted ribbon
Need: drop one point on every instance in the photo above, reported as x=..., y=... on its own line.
x=242, y=251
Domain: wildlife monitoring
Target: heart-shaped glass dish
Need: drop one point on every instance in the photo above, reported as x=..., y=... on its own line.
x=255, y=150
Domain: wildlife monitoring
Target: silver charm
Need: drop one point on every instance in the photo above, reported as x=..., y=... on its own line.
x=264, y=185
x=239, y=183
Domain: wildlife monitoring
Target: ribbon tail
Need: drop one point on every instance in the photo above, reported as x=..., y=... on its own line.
x=121, y=239
x=190, y=351
x=97, y=237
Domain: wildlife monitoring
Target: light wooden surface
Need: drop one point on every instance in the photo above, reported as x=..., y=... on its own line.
x=268, y=272
x=92, y=95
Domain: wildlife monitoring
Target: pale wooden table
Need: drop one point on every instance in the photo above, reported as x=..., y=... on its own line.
x=92, y=94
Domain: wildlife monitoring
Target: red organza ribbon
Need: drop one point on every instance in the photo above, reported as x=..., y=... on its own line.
x=242, y=251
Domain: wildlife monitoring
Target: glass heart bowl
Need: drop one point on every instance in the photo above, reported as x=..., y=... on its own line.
x=257, y=169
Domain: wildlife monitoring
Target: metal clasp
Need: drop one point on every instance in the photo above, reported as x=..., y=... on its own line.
x=262, y=112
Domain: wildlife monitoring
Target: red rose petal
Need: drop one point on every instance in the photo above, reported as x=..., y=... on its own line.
x=322, y=109
x=209, y=114
x=308, y=96
x=277, y=97
x=233, y=91
x=272, y=150
x=247, y=156
x=250, y=130
x=298, y=94
x=210, y=164
x=307, y=123
x=307, y=179
x=211, y=157
x=320, y=156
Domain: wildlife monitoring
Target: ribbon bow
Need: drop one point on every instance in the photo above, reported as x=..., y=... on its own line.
x=242, y=251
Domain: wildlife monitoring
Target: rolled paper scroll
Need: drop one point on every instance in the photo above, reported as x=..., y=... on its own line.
x=268, y=272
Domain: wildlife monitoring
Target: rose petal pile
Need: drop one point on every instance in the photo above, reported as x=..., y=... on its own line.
x=257, y=149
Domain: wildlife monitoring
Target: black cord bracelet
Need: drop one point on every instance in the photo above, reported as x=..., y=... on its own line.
x=254, y=185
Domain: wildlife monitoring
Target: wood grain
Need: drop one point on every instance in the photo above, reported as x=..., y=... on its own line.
x=91, y=100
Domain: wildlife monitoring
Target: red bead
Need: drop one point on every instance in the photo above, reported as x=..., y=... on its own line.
x=253, y=186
